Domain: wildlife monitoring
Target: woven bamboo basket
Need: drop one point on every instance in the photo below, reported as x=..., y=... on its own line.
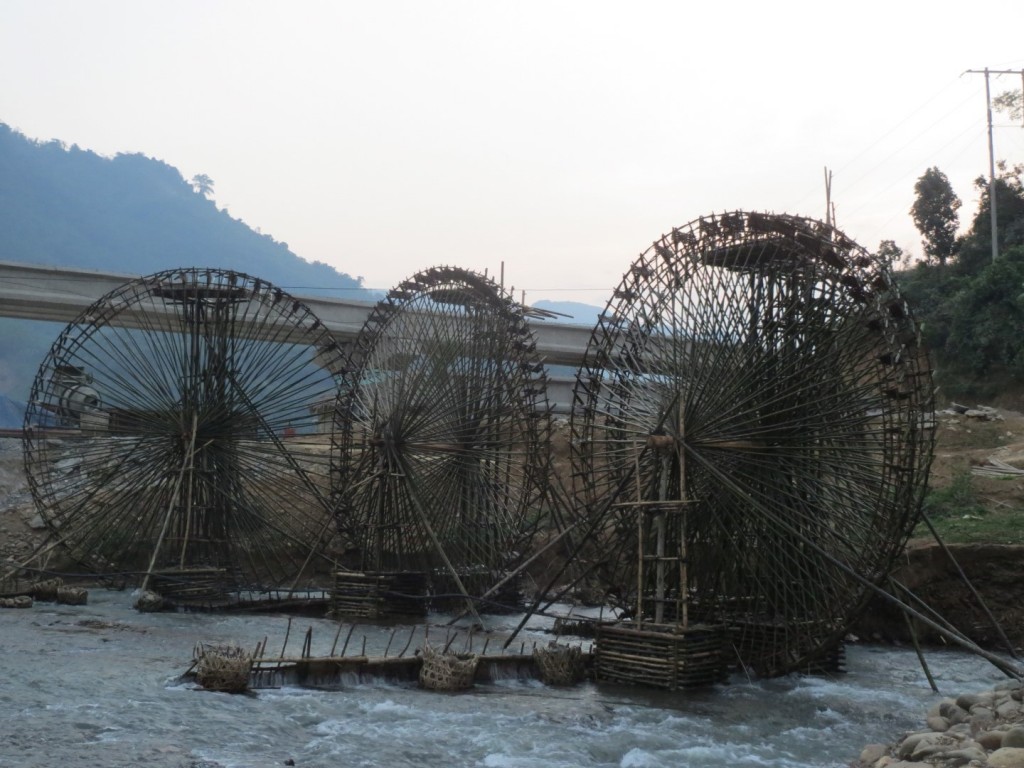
x=560, y=664
x=223, y=668
x=72, y=596
x=46, y=591
x=447, y=671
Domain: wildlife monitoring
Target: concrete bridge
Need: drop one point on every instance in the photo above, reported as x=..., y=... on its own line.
x=61, y=294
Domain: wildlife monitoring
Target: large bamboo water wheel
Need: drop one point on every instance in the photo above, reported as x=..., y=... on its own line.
x=177, y=429
x=443, y=450
x=752, y=434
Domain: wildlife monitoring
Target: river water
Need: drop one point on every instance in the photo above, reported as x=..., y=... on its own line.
x=99, y=685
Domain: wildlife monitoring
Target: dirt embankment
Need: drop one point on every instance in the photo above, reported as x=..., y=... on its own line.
x=992, y=560
x=994, y=571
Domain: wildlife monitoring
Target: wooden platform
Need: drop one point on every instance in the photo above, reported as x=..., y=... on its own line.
x=400, y=661
x=337, y=672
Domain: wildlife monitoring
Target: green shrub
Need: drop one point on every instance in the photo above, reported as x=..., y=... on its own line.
x=957, y=499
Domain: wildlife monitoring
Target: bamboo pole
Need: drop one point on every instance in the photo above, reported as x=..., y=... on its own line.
x=684, y=593
x=414, y=497
x=970, y=586
x=186, y=462
x=1001, y=664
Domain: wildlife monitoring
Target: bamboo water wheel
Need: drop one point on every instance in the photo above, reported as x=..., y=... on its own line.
x=752, y=434
x=443, y=449
x=179, y=427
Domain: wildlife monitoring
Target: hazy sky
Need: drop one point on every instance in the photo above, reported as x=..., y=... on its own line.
x=559, y=137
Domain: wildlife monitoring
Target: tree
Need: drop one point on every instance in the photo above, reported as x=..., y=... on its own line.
x=891, y=254
x=935, y=215
x=202, y=184
x=987, y=312
x=1010, y=102
x=974, y=249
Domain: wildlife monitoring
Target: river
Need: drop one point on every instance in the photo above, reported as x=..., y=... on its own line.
x=100, y=685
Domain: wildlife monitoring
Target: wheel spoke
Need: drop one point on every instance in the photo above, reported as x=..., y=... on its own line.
x=444, y=461
x=764, y=370
x=182, y=421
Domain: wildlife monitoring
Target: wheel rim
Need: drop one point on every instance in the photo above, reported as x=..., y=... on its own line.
x=772, y=363
x=178, y=423
x=443, y=458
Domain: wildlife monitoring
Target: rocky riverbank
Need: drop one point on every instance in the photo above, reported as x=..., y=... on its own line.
x=977, y=730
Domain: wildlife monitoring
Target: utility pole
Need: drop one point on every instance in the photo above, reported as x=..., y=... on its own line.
x=991, y=153
x=830, y=216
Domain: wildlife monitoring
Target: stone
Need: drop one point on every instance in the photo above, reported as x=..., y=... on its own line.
x=963, y=756
x=959, y=715
x=1014, y=738
x=960, y=730
x=872, y=753
x=953, y=712
x=1008, y=710
x=982, y=719
x=936, y=749
x=990, y=740
x=937, y=723
x=967, y=700
x=984, y=699
x=906, y=747
x=947, y=707
x=1007, y=757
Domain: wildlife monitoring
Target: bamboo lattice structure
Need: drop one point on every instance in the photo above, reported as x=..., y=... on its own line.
x=178, y=429
x=751, y=434
x=442, y=457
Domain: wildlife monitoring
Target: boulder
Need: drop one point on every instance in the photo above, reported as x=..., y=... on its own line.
x=910, y=743
x=1007, y=757
x=1008, y=710
x=990, y=740
x=1014, y=738
x=962, y=756
x=982, y=719
x=872, y=753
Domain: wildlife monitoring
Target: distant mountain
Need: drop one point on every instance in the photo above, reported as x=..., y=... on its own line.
x=69, y=207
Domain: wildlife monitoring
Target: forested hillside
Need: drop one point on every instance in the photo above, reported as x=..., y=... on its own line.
x=969, y=302
x=69, y=207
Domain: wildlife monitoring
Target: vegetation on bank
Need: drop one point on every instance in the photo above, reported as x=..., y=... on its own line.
x=968, y=507
x=969, y=305
x=961, y=514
